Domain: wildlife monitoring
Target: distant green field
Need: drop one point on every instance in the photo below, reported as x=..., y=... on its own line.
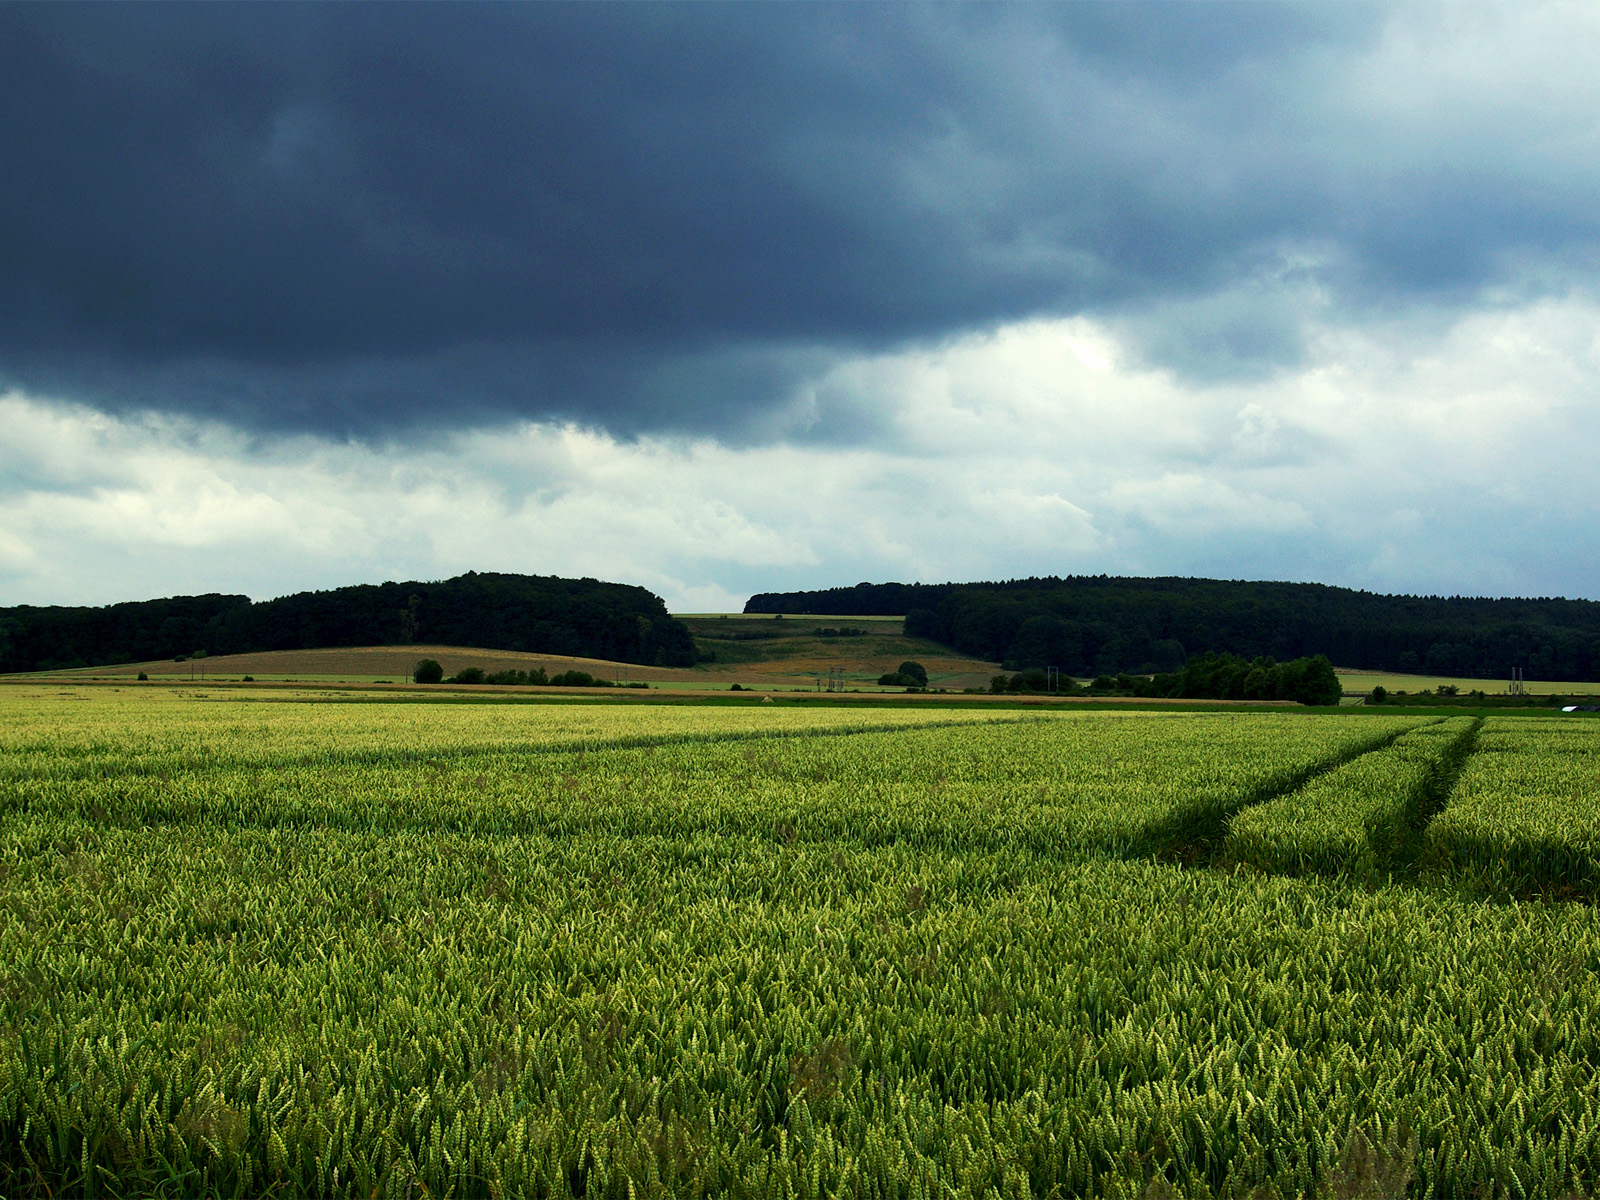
x=798, y=619
x=1361, y=682
x=378, y=949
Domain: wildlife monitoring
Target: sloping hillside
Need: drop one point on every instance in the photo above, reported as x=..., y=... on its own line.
x=797, y=658
x=524, y=613
x=1089, y=625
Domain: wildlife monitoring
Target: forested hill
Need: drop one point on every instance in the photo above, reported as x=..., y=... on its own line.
x=1098, y=624
x=541, y=614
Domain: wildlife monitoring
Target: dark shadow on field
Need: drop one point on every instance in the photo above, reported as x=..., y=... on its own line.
x=1430, y=799
x=1197, y=837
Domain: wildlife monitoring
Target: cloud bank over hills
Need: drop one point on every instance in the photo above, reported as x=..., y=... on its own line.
x=731, y=298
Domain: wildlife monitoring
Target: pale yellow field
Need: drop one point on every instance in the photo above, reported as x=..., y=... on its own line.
x=1362, y=682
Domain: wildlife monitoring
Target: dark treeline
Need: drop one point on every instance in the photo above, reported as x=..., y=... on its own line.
x=1093, y=625
x=1309, y=680
x=1204, y=677
x=538, y=614
x=429, y=671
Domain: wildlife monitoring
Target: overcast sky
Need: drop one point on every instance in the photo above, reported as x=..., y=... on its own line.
x=747, y=297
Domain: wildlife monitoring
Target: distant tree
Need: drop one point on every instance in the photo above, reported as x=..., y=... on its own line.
x=1031, y=680
x=577, y=678
x=1168, y=655
x=1379, y=694
x=1310, y=681
x=408, y=618
x=427, y=671
x=9, y=631
x=1258, y=683
x=469, y=675
x=516, y=677
x=915, y=671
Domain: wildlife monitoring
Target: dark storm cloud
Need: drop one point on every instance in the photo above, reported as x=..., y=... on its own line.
x=358, y=218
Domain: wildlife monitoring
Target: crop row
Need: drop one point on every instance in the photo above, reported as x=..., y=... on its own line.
x=109, y=734
x=1361, y=818
x=1506, y=806
x=1525, y=814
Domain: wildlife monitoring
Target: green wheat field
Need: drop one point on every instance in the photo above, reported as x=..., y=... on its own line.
x=268, y=944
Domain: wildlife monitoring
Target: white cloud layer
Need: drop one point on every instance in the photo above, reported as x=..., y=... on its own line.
x=1438, y=455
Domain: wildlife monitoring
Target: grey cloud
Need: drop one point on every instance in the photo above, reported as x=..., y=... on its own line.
x=1246, y=332
x=362, y=220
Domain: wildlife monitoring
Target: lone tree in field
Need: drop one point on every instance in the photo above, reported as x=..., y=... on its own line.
x=907, y=674
x=913, y=670
x=427, y=671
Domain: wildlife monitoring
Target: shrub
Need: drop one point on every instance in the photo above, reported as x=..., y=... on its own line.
x=469, y=675
x=1031, y=680
x=514, y=677
x=143, y=678
x=1036, y=679
x=577, y=679
x=427, y=671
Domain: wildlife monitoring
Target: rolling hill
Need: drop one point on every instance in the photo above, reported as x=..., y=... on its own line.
x=1089, y=625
